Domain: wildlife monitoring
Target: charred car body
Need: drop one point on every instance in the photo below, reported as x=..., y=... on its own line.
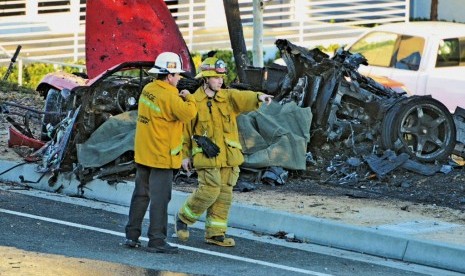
x=115, y=91
x=117, y=61
x=351, y=107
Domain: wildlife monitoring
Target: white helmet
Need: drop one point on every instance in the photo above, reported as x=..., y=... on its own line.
x=167, y=63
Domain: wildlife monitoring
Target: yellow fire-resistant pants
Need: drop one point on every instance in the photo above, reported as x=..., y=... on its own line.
x=214, y=195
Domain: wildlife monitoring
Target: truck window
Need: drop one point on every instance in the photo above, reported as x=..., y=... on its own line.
x=408, y=55
x=377, y=47
x=462, y=51
x=449, y=53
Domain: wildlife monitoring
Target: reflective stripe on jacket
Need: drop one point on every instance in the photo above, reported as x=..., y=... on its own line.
x=161, y=116
x=216, y=119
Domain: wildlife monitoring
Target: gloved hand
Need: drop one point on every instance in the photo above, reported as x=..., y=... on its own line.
x=190, y=84
x=209, y=148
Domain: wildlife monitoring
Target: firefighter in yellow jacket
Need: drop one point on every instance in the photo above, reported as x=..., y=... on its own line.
x=162, y=113
x=217, y=173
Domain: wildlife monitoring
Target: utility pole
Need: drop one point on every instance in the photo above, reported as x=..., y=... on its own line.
x=236, y=35
x=257, y=50
x=434, y=10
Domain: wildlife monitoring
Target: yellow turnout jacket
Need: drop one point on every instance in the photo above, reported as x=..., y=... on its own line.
x=161, y=116
x=216, y=119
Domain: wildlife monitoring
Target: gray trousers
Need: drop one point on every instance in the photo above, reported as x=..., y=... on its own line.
x=153, y=186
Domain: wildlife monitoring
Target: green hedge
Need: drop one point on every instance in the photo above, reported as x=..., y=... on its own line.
x=7, y=86
x=34, y=72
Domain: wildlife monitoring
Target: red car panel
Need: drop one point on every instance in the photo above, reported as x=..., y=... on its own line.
x=130, y=30
x=62, y=80
x=16, y=138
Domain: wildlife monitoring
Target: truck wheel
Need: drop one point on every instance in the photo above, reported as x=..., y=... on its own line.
x=422, y=127
x=53, y=103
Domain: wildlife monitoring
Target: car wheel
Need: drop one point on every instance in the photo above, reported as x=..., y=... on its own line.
x=388, y=136
x=422, y=127
x=53, y=103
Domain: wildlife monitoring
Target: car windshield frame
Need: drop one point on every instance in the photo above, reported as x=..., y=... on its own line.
x=391, y=50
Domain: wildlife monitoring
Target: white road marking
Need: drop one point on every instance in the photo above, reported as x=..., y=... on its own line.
x=207, y=252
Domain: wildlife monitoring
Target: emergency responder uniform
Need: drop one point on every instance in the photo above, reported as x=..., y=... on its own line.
x=216, y=120
x=158, y=144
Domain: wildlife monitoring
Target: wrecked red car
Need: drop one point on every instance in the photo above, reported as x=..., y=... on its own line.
x=121, y=46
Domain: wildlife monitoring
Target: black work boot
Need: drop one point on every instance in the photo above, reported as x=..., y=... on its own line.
x=181, y=229
x=161, y=246
x=132, y=243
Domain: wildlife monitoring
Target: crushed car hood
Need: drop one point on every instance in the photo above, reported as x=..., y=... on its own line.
x=130, y=30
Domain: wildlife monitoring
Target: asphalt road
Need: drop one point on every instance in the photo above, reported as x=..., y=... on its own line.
x=50, y=234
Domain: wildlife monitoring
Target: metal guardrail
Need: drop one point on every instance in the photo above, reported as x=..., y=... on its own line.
x=304, y=22
x=47, y=29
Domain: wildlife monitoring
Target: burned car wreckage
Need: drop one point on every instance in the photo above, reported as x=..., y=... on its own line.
x=351, y=107
x=348, y=109
x=331, y=101
x=358, y=115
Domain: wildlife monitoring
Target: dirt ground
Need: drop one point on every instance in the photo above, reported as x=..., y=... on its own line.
x=320, y=192
x=374, y=204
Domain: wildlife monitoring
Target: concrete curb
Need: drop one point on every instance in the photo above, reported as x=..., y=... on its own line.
x=383, y=243
x=436, y=254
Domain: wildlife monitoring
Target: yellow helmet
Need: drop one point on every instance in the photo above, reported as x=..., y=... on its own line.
x=212, y=67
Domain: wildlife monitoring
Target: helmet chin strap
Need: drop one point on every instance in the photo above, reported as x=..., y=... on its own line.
x=207, y=85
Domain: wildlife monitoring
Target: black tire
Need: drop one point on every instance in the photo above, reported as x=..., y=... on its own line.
x=422, y=127
x=53, y=103
x=388, y=135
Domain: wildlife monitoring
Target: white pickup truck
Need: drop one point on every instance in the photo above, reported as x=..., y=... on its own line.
x=428, y=58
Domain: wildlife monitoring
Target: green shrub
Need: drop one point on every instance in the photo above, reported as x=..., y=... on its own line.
x=34, y=72
x=7, y=86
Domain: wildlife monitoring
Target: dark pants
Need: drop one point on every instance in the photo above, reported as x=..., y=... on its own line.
x=152, y=186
